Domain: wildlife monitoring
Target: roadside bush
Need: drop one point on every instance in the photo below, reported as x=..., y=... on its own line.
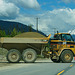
x=3, y=51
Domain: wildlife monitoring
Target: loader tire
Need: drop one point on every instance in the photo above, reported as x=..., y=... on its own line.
x=13, y=56
x=66, y=56
x=29, y=55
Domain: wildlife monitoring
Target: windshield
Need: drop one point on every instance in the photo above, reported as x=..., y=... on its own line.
x=67, y=37
x=63, y=37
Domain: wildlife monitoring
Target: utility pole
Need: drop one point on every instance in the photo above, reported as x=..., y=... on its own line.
x=37, y=24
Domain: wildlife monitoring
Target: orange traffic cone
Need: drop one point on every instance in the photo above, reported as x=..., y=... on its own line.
x=74, y=58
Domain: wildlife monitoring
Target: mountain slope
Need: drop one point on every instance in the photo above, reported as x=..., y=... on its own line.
x=8, y=26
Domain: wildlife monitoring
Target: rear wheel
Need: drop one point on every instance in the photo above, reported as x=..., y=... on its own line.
x=29, y=55
x=13, y=56
x=66, y=56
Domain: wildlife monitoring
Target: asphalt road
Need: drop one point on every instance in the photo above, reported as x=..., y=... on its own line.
x=40, y=67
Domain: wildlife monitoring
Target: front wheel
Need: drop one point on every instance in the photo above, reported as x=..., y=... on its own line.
x=66, y=56
x=29, y=55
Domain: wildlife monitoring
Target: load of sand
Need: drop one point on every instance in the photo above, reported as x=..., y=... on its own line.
x=31, y=35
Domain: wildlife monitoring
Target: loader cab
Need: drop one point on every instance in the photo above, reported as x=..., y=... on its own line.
x=63, y=37
x=62, y=40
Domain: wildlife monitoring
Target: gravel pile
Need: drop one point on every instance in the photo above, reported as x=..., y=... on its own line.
x=31, y=35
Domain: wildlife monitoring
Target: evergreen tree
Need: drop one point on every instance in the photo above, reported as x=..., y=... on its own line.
x=2, y=33
x=19, y=32
x=9, y=32
x=30, y=27
x=14, y=32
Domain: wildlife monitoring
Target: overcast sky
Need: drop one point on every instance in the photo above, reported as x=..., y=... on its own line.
x=59, y=14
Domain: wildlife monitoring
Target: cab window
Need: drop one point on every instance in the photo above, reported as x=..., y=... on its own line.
x=67, y=37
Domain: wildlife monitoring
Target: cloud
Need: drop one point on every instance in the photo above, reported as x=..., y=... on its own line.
x=61, y=19
x=25, y=20
x=8, y=10
x=26, y=3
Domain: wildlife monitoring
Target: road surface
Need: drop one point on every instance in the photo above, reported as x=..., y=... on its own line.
x=40, y=67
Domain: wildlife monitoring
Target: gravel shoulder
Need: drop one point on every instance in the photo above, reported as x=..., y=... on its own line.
x=4, y=63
